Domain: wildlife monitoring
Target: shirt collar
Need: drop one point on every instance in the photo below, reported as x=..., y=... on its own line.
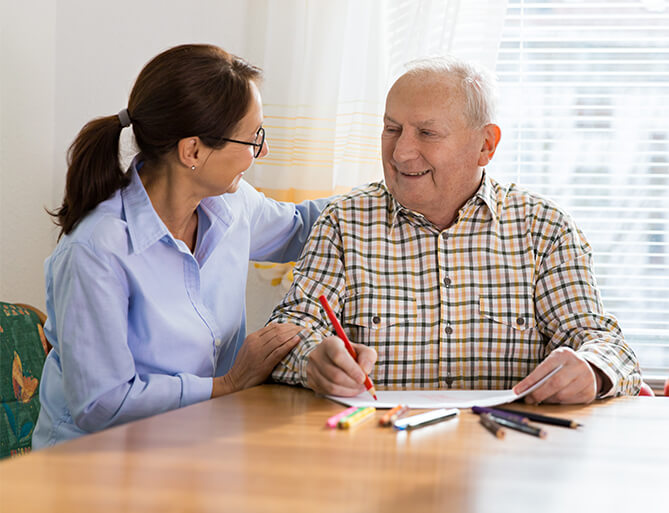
x=485, y=194
x=144, y=225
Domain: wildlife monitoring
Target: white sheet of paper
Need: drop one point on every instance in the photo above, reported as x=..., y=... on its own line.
x=438, y=398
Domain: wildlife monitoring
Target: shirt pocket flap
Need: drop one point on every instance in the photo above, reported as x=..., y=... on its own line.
x=514, y=308
x=375, y=311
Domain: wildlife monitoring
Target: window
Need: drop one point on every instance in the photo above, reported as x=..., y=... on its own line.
x=585, y=118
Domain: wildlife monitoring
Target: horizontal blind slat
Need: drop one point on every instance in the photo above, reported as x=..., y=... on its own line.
x=586, y=90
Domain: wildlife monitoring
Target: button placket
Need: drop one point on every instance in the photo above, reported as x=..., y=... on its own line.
x=446, y=300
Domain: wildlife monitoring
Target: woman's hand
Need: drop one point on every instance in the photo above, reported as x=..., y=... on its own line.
x=258, y=356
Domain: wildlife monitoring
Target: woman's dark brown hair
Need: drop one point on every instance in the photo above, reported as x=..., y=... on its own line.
x=186, y=91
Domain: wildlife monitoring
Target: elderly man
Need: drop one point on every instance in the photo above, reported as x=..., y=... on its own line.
x=442, y=277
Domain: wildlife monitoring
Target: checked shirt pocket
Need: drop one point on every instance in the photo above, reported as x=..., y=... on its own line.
x=513, y=309
x=509, y=337
x=377, y=313
x=388, y=325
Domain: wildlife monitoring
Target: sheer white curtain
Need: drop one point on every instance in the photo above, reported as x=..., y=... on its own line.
x=328, y=65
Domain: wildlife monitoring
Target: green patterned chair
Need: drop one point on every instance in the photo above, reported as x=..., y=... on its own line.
x=23, y=349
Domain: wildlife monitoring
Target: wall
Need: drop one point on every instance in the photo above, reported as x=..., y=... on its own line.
x=61, y=64
x=27, y=79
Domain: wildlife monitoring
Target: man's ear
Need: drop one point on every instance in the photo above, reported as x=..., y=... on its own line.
x=492, y=135
x=189, y=150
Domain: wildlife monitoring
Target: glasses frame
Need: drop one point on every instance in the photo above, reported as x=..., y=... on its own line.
x=260, y=133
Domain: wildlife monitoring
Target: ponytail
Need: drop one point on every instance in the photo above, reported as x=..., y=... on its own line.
x=94, y=171
x=188, y=90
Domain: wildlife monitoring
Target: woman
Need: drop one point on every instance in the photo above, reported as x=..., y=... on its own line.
x=146, y=288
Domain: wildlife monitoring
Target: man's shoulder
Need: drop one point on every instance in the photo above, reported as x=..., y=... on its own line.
x=514, y=199
x=363, y=198
x=373, y=190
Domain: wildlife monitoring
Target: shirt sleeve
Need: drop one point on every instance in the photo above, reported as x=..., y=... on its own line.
x=319, y=271
x=280, y=229
x=570, y=312
x=102, y=386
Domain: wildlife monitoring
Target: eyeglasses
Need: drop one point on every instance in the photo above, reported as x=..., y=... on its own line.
x=257, y=142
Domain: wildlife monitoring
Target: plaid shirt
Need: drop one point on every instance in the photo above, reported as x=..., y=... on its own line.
x=475, y=306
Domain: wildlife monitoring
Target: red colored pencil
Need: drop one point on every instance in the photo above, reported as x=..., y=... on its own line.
x=340, y=333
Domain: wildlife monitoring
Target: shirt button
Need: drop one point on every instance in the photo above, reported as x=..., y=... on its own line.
x=217, y=342
x=444, y=235
x=520, y=321
x=447, y=282
x=376, y=319
x=448, y=330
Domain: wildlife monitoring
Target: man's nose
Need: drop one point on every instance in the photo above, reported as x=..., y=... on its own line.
x=405, y=147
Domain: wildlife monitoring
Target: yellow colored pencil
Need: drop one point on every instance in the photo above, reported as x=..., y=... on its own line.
x=356, y=418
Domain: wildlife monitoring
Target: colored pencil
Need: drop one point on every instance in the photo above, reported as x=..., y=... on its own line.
x=425, y=419
x=544, y=419
x=491, y=425
x=392, y=415
x=356, y=417
x=516, y=417
x=519, y=426
x=347, y=343
x=332, y=421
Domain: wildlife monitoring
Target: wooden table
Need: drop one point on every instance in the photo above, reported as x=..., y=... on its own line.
x=266, y=449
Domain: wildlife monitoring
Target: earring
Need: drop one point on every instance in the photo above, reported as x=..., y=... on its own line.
x=193, y=167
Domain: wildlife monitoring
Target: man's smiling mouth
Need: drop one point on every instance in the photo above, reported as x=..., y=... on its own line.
x=418, y=173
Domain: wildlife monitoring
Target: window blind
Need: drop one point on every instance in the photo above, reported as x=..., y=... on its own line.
x=584, y=111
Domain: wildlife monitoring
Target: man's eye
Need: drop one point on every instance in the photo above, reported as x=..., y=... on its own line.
x=426, y=133
x=390, y=129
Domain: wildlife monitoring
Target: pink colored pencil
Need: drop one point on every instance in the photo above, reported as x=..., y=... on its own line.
x=334, y=420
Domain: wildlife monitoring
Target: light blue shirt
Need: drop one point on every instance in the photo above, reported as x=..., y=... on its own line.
x=138, y=324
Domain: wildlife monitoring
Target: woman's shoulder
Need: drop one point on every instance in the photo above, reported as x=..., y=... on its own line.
x=102, y=229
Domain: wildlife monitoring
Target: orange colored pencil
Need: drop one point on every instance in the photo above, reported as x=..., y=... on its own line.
x=340, y=333
x=392, y=415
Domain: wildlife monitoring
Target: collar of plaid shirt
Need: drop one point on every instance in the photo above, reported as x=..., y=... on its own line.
x=485, y=193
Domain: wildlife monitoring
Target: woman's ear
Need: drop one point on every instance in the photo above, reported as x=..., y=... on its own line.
x=189, y=150
x=492, y=134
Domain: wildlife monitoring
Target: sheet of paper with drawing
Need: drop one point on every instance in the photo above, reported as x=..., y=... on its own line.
x=438, y=398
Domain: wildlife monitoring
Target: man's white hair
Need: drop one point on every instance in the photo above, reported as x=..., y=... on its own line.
x=477, y=84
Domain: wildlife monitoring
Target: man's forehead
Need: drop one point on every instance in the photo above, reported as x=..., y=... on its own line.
x=424, y=90
x=426, y=122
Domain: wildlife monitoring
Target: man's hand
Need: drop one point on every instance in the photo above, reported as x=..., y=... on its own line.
x=332, y=370
x=258, y=356
x=577, y=382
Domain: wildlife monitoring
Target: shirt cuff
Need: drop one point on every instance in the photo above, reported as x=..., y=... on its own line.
x=194, y=389
x=303, y=362
x=602, y=365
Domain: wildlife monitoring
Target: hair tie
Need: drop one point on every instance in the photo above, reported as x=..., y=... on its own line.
x=124, y=118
